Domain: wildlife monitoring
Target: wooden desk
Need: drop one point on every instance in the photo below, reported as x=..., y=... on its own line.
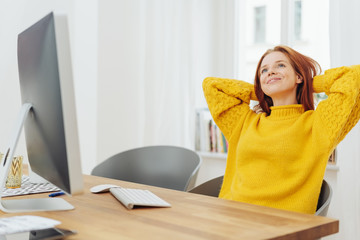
x=192, y=216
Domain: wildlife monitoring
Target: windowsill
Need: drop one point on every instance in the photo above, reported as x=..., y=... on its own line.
x=213, y=155
x=222, y=156
x=332, y=167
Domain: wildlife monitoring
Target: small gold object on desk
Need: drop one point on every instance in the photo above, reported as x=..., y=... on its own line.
x=15, y=172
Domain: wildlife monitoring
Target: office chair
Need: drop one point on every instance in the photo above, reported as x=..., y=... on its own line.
x=212, y=188
x=324, y=199
x=162, y=166
x=209, y=188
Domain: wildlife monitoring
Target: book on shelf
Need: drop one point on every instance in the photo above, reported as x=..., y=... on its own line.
x=208, y=136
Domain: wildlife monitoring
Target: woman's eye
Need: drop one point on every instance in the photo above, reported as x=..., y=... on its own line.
x=264, y=70
x=281, y=65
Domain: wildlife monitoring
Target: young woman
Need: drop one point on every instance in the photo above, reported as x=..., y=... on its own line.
x=277, y=158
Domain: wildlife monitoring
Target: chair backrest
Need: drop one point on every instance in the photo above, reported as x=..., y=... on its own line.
x=209, y=188
x=212, y=188
x=324, y=199
x=162, y=166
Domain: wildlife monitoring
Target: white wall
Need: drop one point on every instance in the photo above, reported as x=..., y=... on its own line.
x=345, y=50
x=120, y=52
x=85, y=60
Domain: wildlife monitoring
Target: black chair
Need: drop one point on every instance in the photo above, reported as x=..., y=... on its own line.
x=162, y=166
x=324, y=199
x=212, y=188
x=209, y=188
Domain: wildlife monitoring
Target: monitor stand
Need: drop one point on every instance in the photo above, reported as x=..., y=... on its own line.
x=24, y=205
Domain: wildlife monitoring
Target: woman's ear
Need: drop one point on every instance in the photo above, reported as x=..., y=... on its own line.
x=299, y=79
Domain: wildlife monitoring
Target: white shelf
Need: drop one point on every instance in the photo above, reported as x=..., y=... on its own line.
x=332, y=167
x=213, y=155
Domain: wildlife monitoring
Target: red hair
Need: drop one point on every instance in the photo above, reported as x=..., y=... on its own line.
x=304, y=66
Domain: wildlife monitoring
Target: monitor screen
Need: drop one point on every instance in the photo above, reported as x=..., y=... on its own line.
x=46, y=84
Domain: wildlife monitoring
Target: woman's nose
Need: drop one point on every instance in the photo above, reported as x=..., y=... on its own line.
x=271, y=71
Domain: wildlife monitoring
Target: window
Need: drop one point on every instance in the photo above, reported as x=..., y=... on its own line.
x=260, y=28
x=297, y=20
x=295, y=23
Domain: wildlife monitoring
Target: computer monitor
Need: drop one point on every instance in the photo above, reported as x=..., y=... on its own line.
x=48, y=114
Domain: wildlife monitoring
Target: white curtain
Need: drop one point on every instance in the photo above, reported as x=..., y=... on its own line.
x=153, y=56
x=345, y=50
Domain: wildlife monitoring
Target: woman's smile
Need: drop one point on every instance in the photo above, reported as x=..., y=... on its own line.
x=273, y=80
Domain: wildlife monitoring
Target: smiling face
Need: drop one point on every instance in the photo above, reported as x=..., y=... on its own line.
x=278, y=79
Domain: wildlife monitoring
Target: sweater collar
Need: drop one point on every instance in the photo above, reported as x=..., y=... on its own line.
x=286, y=112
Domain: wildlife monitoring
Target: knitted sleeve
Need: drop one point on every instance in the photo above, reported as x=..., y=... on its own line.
x=341, y=110
x=228, y=101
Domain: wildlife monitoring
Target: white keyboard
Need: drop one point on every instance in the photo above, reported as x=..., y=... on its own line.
x=137, y=197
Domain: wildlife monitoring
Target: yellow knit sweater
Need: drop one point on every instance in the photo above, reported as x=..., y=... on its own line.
x=279, y=160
